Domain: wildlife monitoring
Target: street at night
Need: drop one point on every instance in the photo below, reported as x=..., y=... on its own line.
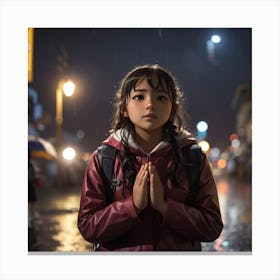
x=80, y=63
x=149, y=127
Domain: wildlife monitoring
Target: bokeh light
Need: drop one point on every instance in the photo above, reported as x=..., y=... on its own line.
x=69, y=153
x=222, y=163
x=216, y=39
x=202, y=126
x=204, y=145
x=68, y=88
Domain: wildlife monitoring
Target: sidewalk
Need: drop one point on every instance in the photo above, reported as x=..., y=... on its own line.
x=56, y=228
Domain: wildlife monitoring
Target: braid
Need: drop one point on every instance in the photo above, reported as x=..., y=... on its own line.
x=128, y=164
x=170, y=133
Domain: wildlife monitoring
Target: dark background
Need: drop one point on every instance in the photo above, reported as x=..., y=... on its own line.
x=97, y=58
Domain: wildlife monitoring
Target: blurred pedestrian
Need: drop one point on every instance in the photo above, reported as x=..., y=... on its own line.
x=148, y=211
x=32, y=195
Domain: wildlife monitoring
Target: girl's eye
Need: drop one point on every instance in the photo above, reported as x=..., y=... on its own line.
x=162, y=98
x=138, y=97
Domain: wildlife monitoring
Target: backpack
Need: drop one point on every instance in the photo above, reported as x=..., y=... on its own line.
x=192, y=152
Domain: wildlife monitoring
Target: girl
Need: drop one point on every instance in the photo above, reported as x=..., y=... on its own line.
x=149, y=210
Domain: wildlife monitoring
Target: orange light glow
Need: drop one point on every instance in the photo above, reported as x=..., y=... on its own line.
x=222, y=163
x=233, y=136
x=222, y=187
x=86, y=156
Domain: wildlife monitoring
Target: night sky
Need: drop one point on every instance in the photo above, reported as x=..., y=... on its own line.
x=98, y=58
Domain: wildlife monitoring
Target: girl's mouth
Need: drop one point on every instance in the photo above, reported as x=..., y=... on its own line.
x=149, y=116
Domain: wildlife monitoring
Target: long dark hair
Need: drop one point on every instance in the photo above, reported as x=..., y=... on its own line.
x=176, y=122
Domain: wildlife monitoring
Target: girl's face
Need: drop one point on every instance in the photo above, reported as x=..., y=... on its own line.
x=147, y=108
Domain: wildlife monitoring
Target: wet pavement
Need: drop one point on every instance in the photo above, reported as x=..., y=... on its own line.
x=235, y=199
x=55, y=230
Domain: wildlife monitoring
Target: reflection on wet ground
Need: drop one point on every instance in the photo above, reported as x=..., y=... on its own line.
x=236, y=208
x=56, y=228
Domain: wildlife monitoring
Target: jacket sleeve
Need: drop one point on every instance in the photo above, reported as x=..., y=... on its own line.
x=201, y=222
x=97, y=221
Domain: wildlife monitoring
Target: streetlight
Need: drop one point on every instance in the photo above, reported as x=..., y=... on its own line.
x=68, y=88
x=69, y=153
x=215, y=39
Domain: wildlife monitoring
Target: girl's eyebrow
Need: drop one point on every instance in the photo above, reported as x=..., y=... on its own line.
x=144, y=90
x=140, y=89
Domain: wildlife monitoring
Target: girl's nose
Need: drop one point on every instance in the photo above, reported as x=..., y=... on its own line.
x=151, y=104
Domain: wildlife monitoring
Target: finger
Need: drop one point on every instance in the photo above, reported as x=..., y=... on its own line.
x=144, y=178
x=150, y=167
x=139, y=175
x=155, y=173
x=141, y=172
x=152, y=180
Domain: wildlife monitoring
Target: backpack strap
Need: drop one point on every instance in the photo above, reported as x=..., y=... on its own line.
x=193, y=156
x=106, y=157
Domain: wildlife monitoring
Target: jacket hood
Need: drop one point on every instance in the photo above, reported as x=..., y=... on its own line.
x=114, y=140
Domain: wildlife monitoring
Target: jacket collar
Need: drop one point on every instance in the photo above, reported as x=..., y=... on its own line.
x=133, y=144
x=183, y=137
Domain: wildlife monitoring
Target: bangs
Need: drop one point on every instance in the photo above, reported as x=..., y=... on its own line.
x=157, y=82
x=156, y=78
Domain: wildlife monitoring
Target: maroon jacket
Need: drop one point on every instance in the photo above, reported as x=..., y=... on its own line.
x=118, y=227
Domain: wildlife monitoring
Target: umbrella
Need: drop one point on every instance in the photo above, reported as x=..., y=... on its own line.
x=41, y=148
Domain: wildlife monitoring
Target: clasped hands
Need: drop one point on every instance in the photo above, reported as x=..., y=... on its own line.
x=141, y=191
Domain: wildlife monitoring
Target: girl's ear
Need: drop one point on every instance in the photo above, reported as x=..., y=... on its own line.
x=125, y=113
